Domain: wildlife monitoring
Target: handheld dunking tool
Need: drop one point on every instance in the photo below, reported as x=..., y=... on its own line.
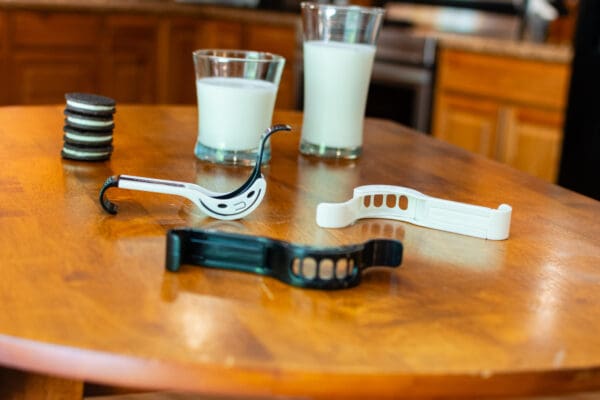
x=314, y=267
x=405, y=204
x=225, y=206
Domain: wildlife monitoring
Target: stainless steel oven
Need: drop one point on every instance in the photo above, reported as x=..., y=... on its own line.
x=403, y=78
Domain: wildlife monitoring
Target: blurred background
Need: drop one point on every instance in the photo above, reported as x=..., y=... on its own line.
x=512, y=80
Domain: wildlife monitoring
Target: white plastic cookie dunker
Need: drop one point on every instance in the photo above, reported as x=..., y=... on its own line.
x=408, y=205
x=225, y=206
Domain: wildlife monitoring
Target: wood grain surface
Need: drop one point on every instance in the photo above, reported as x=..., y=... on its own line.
x=84, y=295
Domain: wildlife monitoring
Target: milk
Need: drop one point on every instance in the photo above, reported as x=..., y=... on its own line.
x=336, y=82
x=234, y=112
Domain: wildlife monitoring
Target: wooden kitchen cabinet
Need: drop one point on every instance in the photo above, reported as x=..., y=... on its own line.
x=32, y=29
x=470, y=124
x=185, y=36
x=49, y=53
x=504, y=108
x=215, y=34
x=42, y=77
x=282, y=41
x=132, y=57
x=129, y=58
x=533, y=141
x=3, y=89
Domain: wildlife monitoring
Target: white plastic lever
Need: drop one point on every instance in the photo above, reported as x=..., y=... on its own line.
x=226, y=206
x=409, y=205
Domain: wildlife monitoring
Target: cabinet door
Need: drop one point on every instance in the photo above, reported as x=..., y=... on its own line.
x=129, y=72
x=467, y=122
x=507, y=108
x=533, y=141
x=219, y=35
x=179, y=82
x=185, y=36
x=508, y=79
x=3, y=76
x=281, y=41
x=44, y=78
x=48, y=54
x=31, y=29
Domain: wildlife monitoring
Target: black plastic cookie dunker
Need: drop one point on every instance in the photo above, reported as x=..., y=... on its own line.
x=88, y=128
x=312, y=267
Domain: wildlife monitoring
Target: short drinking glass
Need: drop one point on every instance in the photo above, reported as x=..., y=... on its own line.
x=236, y=93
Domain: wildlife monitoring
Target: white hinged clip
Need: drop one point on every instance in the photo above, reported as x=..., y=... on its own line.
x=408, y=205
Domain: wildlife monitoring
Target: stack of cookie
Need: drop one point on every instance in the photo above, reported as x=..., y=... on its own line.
x=88, y=130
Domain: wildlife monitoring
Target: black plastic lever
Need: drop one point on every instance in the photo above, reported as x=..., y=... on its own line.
x=299, y=265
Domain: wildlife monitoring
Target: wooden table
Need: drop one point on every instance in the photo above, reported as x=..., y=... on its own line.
x=84, y=295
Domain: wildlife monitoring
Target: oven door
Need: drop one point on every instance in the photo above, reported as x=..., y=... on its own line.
x=401, y=93
x=402, y=80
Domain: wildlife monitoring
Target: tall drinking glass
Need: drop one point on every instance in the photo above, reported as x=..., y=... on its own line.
x=339, y=49
x=236, y=93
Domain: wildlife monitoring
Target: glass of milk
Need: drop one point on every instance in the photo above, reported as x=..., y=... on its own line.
x=236, y=92
x=339, y=49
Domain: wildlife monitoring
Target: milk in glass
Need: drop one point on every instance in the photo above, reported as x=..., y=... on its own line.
x=234, y=112
x=336, y=82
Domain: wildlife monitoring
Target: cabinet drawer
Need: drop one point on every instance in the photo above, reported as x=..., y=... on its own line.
x=2, y=33
x=3, y=73
x=218, y=35
x=273, y=39
x=509, y=79
x=44, y=78
x=35, y=29
x=131, y=33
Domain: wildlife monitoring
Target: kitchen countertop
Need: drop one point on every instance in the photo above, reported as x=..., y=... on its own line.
x=503, y=47
x=474, y=31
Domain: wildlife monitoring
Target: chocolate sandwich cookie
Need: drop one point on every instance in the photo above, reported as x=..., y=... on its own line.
x=90, y=104
x=86, y=153
x=87, y=138
x=88, y=122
